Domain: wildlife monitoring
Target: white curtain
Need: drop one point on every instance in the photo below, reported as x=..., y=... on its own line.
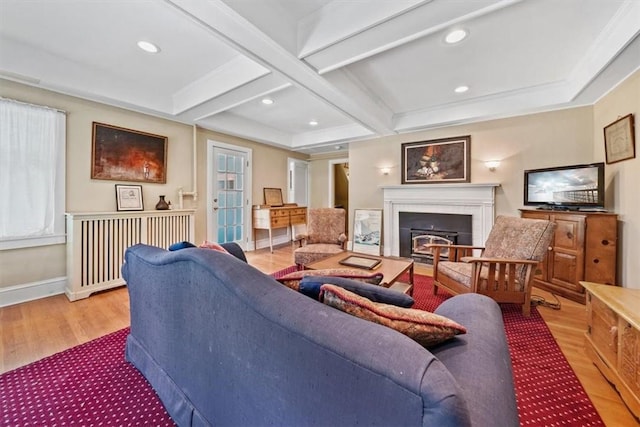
x=32, y=154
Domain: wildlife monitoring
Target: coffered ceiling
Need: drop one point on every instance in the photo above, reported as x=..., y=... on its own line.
x=357, y=68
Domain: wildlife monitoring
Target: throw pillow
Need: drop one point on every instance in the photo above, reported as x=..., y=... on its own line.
x=428, y=329
x=181, y=245
x=310, y=286
x=213, y=245
x=292, y=280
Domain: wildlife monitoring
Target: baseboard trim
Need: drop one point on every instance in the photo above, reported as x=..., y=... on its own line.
x=32, y=291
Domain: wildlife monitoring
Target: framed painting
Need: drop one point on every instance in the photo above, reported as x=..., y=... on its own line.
x=437, y=161
x=367, y=231
x=128, y=155
x=129, y=197
x=620, y=140
x=273, y=197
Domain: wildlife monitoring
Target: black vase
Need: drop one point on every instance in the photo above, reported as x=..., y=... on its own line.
x=162, y=205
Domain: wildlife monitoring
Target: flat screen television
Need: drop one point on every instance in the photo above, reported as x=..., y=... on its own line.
x=565, y=187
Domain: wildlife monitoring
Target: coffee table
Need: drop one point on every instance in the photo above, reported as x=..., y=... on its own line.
x=390, y=267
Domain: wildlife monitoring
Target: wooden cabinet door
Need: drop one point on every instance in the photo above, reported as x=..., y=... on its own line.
x=566, y=267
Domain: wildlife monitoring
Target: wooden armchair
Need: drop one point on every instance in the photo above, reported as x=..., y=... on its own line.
x=325, y=236
x=504, y=269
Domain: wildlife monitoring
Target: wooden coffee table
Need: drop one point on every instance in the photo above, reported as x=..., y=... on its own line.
x=390, y=267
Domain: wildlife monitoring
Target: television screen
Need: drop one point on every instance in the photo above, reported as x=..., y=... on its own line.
x=565, y=186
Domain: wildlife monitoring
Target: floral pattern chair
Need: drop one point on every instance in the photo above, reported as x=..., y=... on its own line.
x=504, y=270
x=325, y=236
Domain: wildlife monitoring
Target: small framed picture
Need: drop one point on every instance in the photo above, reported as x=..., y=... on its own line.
x=619, y=140
x=129, y=197
x=273, y=197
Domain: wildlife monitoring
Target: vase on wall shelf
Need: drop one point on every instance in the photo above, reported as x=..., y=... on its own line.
x=162, y=205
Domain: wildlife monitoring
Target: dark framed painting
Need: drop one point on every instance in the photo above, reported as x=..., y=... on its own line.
x=437, y=161
x=128, y=155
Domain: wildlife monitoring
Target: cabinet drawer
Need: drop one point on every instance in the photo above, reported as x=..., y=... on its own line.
x=278, y=222
x=298, y=219
x=629, y=368
x=604, y=330
x=279, y=213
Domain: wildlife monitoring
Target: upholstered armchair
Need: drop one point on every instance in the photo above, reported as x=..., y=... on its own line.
x=504, y=269
x=325, y=236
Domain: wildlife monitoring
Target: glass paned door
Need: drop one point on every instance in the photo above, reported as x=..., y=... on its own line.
x=228, y=198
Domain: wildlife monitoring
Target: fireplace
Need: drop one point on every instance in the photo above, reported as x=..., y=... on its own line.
x=418, y=229
x=474, y=201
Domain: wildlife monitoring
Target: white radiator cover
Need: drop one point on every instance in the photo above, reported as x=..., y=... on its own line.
x=477, y=200
x=96, y=243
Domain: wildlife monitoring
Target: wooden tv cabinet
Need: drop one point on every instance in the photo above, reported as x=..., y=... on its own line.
x=583, y=248
x=612, y=338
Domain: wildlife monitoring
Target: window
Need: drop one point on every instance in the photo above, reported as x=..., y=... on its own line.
x=32, y=175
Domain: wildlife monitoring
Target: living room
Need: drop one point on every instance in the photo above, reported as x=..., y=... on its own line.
x=546, y=138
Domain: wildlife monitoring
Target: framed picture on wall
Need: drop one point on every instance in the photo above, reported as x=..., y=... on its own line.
x=273, y=197
x=367, y=231
x=437, y=161
x=619, y=140
x=128, y=155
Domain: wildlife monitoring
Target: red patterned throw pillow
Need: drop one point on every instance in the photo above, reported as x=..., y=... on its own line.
x=428, y=329
x=213, y=245
x=292, y=280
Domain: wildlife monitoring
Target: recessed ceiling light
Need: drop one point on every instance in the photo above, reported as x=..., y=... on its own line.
x=461, y=89
x=456, y=36
x=148, y=47
x=313, y=123
x=267, y=101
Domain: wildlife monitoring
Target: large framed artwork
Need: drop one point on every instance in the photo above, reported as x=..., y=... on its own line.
x=128, y=155
x=367, y=231
x=446, y=160
x=619, y=140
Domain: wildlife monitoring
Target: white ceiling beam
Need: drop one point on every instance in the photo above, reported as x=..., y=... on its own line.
x=330, y=135
x=338, y=20
x=422, y=21
x=262, y=86
x=621, y=30
x=235, y=125
x=237, y=32
x=235, y=73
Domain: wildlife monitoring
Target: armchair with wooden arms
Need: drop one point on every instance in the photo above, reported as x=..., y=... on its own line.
x=504, y=269
x=325, y=236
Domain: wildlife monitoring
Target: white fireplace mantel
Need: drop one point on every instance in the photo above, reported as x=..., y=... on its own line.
x=477, y=200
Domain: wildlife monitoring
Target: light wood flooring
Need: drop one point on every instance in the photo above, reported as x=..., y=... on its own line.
x=36, y=329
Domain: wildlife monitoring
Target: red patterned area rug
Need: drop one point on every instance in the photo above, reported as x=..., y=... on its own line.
x=91, y=384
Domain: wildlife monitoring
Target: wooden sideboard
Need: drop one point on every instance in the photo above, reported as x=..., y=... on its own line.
x=583, y=248
x=271, y=218
x=613, y=338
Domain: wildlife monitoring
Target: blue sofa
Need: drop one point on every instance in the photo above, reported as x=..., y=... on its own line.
x=224, y=344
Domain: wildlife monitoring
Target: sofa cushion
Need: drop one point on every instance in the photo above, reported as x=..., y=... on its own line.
x=213, y=245
x=428, y=329
x=292, y=280
x=310, y=286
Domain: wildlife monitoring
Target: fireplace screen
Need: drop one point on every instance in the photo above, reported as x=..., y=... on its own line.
x=420, y=240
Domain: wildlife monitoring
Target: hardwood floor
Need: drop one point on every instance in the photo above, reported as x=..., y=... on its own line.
x=33, y=330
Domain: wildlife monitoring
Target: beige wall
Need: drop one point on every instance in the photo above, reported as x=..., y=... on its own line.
x=623, y=178
x=23, y=266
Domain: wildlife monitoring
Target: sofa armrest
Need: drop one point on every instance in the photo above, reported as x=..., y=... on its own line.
x=480, y=360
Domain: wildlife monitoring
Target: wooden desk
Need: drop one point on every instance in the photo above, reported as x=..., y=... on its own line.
x=613, y=338
x=271, y=218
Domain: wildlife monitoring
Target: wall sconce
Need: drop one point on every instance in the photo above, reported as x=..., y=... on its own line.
x=385, y=171
x=492, y=164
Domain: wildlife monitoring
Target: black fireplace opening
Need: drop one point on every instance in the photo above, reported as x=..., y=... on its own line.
x=418, y=229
